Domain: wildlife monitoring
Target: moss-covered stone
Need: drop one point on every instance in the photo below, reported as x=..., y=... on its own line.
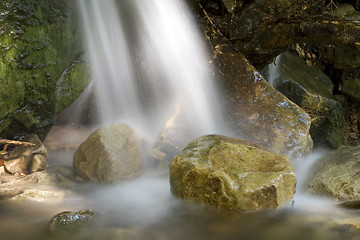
x=351, y=88
x=39, y=41
x=71, y=84
x=311, y=89
x=231, y=173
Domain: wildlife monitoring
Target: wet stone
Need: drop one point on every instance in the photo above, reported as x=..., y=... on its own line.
x=232, y=173
x=25, y=160
x=69, y=222
x=111, y=154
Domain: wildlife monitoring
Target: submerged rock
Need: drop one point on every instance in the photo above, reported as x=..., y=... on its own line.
x=311, y=89
x=110, y=154
x=336, y=175
x=257, y=112
x=351, y=88
x=232, y=173
x=25, y=159
x=67, y=223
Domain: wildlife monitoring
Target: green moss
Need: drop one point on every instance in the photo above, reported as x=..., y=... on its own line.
x=37, y=44
x=351, y=88
x=71, y=84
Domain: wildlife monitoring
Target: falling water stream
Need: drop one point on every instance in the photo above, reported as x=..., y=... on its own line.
x=148, y=63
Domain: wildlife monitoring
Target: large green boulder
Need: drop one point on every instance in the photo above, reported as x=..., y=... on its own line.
x=231, y=173
x=311, y=89
x=40, y=64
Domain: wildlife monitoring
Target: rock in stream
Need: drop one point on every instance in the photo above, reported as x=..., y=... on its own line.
x=232, y=173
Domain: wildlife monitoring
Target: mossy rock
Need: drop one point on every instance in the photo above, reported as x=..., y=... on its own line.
x=231, y=173
x=39, y=42
x=311, y=89
x=351, y=88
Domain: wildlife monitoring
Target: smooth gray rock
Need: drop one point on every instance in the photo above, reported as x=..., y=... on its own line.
x=110, y=154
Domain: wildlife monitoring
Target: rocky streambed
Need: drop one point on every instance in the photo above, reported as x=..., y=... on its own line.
x=212, y=201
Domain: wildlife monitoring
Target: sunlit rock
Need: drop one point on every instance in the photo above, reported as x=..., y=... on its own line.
x=110, y=154
x=25, y=159
x=257, y=112
x=336, y=175
x=52, y=184
x=231, y=173
x=311, y=89
x=67, y=223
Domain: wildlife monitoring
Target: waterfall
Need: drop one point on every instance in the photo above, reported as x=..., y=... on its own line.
x=273, y=72
x=148, y=61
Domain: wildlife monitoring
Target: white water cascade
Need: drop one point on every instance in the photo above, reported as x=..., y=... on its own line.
x=148, y=61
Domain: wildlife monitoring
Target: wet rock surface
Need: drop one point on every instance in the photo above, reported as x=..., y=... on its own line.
x=110, y=154
x=67, y=223
x=256, y=111
x=336, y=175
x=26, y=159
x=312, y=90
x=231, y=173
x=173, y=138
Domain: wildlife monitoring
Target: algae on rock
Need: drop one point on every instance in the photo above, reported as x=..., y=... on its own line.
x=311, y=89
x=39, y=41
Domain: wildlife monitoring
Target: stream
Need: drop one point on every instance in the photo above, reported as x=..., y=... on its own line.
x=144, y=208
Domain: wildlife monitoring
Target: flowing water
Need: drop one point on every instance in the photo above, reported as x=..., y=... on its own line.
x=143, y=56
x=148, y=62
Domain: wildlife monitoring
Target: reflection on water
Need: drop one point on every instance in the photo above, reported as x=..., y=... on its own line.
x=145, y=209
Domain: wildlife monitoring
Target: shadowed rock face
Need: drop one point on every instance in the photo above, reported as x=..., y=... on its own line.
x=110, y=154
x=256, y=111
x=231, y=173
x=310, y=89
